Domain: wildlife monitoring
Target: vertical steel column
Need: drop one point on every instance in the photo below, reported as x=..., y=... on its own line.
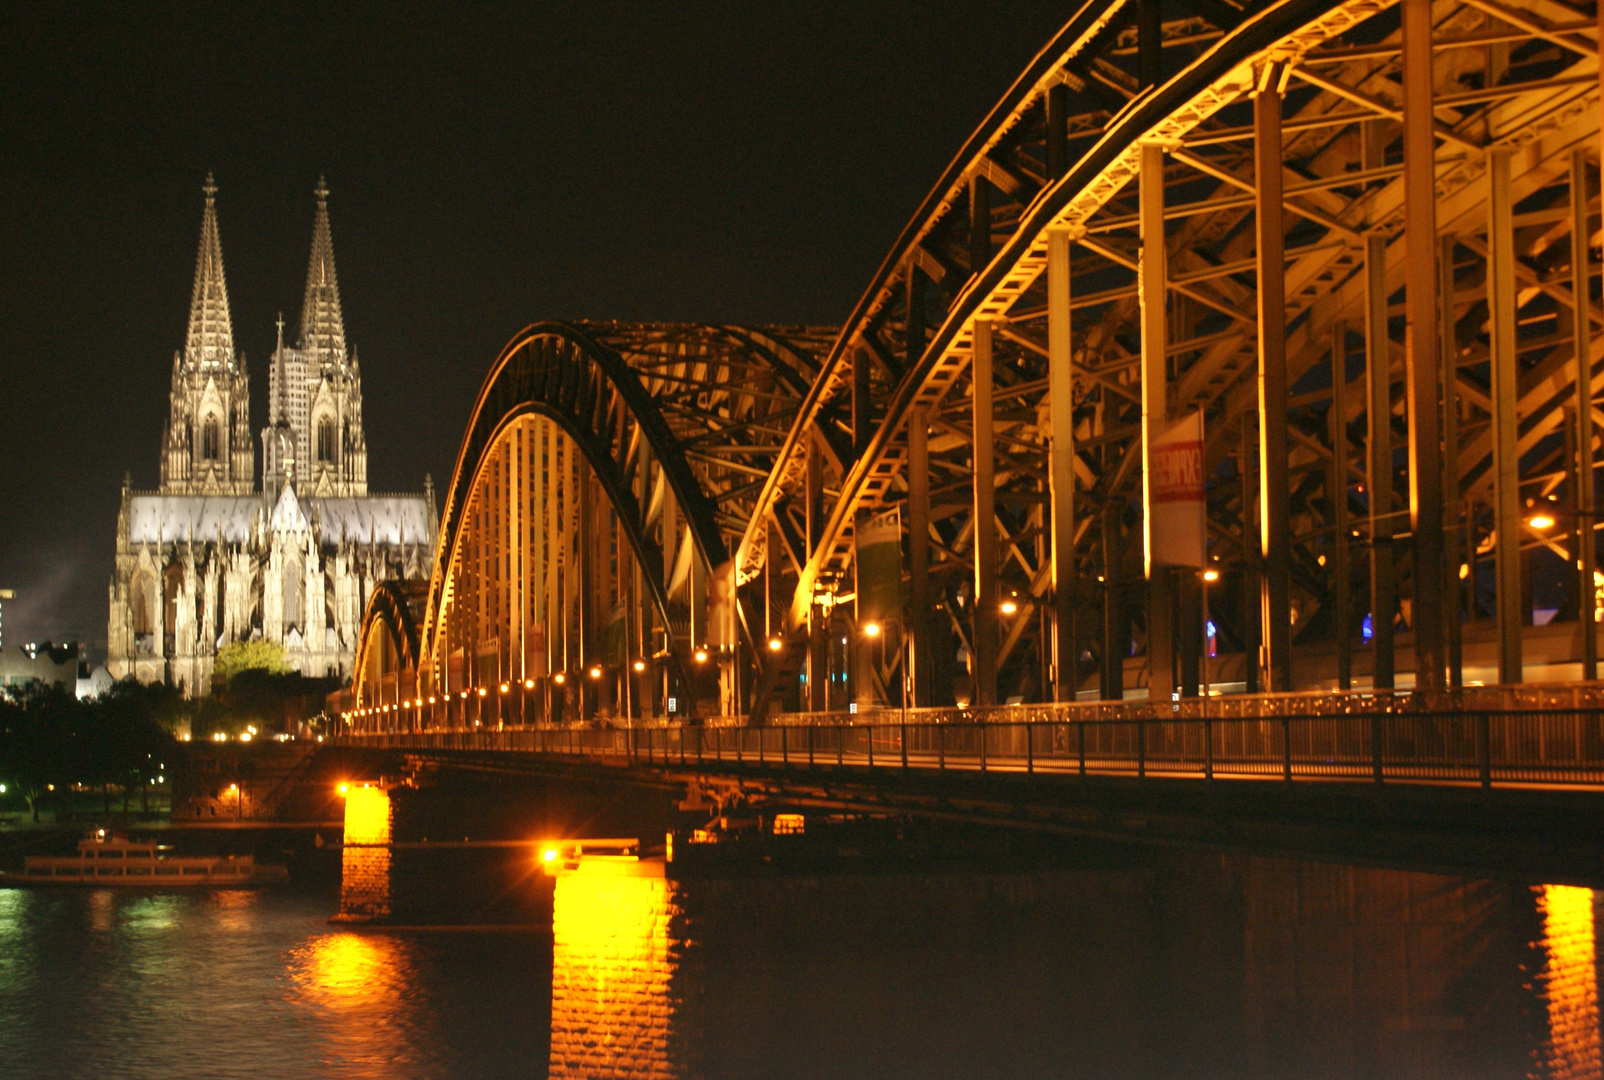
x=1149, y=43
x=818, y=632
x=1116, y=642
x=1251, y=628
x=979, y=224
x=1057, y=107
x=983, y=662
x=1378, y=373
x=1275, y=530
x=1582, y=328
x=1453, y=594
x=1420, y=352
x=1337, y=493
x=1155, y=409
x=1061, y=471
x=1506, y=389
x=919, y=552
x=862, y=405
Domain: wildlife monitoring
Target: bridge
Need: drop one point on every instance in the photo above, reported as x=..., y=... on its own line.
x=1218, y=415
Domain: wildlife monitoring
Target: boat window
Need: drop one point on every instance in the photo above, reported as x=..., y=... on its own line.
x=137, y=870
x=66, y=871
x=110, y=870
x=194, y=869
x=111, y=854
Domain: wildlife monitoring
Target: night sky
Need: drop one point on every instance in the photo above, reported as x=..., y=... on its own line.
x=490, y=165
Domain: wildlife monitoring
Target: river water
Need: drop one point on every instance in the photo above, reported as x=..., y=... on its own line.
x=1156, y=963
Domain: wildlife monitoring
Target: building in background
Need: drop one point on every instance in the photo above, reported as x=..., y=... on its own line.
x=210, y=558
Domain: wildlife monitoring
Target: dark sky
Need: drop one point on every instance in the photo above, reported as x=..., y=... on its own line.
x=490, y=165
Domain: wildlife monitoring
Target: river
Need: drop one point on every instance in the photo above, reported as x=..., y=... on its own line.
x=1149, y=963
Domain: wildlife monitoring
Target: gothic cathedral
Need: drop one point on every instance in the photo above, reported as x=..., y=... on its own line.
x=209, y=558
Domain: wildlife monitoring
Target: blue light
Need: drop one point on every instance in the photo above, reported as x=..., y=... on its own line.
x=1367, y=631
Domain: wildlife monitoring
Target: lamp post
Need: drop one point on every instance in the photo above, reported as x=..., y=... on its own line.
x=1209, y=575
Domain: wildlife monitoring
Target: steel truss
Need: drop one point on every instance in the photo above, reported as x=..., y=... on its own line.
x=1354, y=236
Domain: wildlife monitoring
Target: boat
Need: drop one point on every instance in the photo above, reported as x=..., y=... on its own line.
x=109, y=860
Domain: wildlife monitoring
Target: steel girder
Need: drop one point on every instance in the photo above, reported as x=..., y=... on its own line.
x=660, y=414
x=390, y=622
x=1522, y=78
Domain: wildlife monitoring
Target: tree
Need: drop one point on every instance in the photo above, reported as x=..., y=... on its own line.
x=239, y=656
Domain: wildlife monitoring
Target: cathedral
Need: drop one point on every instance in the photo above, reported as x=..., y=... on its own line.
x=210, y=558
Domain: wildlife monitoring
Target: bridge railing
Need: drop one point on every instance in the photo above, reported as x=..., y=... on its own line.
x=1561, y=747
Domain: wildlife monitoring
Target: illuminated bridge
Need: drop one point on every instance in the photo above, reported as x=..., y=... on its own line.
x=1217, y=413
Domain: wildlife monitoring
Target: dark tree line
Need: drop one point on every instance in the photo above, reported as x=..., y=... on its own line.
x=49, y=740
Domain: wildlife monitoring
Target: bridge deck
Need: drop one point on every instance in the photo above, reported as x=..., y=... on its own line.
x=1549, y=748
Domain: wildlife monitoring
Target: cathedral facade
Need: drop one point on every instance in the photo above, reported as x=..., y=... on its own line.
x=212, y=558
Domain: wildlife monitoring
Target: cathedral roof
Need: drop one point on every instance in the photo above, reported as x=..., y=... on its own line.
x=169, y=519
x=382, y=519
x=322, y=325
x=287, y=515
x=211, y=331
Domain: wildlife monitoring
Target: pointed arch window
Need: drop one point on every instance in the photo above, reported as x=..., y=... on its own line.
x=325, y=440
x=209, y=439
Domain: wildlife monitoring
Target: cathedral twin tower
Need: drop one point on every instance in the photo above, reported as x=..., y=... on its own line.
x=211, y=559
x=314, y=389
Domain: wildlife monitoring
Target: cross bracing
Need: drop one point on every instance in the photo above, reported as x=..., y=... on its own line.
x=1358, y=238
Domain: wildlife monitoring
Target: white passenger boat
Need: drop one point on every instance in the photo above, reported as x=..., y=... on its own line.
x=109, y=860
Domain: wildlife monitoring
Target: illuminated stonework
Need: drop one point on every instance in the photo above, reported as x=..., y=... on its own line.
x=365, y=856
x=1569, y=984
x=611, y=1005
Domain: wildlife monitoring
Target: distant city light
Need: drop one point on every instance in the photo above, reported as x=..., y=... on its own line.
x=1541, y=521
x=871, y=629
x=640, y=665
x=775, y=644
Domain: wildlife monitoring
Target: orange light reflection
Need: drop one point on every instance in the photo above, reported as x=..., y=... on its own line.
x=1570, y=984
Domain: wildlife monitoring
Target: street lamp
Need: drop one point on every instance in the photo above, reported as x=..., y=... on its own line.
x=1210, y=576
x=775, y=644
x=871, y=629
x=639, y=666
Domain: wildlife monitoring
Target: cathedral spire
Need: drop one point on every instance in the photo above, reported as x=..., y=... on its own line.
x=322, y=326
x=211, y=331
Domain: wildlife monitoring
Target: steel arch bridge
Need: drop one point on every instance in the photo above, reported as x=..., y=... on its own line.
x=1355, y=241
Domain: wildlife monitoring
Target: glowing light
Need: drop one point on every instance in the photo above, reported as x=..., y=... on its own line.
x=701, y=656
x=595, y=673
x=483, y=691
x=1569, y=985
x=559, y=678
x=431, y=699
x=611, y=943
x=550, y=854
x=505, y=688
x=529, y=684
x=1541, y=521
x=775, y=644
x=234, y=788
x=1464, y=571
x=1211, y=575
x=245, y=736
x=1009, y=607
x=871, y=629
x=640, y=665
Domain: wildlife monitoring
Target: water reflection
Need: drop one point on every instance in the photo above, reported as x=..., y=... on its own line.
x=357, y=987
x=612, y=966
x=1569, y=983
x=1192, y=965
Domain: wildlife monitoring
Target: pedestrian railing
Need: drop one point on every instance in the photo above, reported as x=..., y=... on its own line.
x=1561, y=747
